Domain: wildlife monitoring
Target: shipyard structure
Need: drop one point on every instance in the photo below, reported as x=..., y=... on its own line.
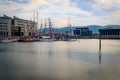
x=17, y=27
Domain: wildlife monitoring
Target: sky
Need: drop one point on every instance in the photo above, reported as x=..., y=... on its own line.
x=81, y=12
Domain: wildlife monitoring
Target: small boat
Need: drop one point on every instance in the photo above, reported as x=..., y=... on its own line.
x=8, y=40
x=27, y=39
x=70, y=39
x=47, y=39
x=36, y=39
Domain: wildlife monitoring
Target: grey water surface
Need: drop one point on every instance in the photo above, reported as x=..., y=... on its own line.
x=60, y=60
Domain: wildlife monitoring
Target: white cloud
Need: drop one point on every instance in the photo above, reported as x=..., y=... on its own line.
x=107, y=6
x=60, y=10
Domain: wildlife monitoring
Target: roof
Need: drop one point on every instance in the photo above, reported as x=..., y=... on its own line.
x=82, y=28
x=5, y=17
x=109, y=29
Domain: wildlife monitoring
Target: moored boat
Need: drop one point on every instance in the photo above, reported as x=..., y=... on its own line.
x=48, y=40
x=9, y=39
x=71, y=36
x=51, y=36
x=27, y=39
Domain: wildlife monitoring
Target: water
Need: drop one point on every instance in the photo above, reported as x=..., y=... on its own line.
x=79, y=60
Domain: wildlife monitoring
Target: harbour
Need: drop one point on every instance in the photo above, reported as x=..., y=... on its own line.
x=60, y=60
x=21, y=30
x=59, y=40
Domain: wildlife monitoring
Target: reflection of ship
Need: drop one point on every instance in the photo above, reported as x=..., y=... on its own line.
x=50, y=36
x=71, y=36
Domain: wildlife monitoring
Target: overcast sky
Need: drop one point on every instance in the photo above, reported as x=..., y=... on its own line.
x=81, y=12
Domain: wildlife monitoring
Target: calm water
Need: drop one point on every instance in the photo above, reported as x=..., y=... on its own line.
x=79, y=60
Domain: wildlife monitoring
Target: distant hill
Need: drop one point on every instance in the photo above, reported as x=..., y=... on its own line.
x=93, y=28
x=112, y=26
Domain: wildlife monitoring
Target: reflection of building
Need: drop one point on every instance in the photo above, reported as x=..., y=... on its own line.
x=17, y=27
x=110, y=33
x=82, y=32
x=5, y=26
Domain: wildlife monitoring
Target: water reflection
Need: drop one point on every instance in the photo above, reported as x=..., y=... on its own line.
x=100, y=57
x=60, y=60
x=100, y=51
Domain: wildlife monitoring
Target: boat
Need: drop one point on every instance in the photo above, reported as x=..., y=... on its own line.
x=71, y=36
x=50, y=37
x=31, y=38
x=28, y=39
x=8, y=40
x=72, y=40
x=47, y=39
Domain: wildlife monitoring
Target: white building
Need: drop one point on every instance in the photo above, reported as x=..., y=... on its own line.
x=17, y=27
x=28, y=28
x=5, y=26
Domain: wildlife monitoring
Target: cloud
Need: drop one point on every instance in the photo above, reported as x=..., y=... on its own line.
x=106, y=6
x=98, y=7
x=19, y=1
x=84, y=4
x=82, y=12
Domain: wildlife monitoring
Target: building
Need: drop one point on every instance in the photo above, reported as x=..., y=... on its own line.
x=25, y=27
x=17, y=27
x=82, y=32
x=5, y=26
x=110, y=33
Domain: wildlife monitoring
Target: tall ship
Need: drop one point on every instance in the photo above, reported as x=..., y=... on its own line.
x=71, y=36
x=50, y=36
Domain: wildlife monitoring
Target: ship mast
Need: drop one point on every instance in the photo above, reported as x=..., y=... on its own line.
x=41, y=28
x=50, y=31
x=45, y=24
x=37, y=25
x=52, y=36
x=70, y=28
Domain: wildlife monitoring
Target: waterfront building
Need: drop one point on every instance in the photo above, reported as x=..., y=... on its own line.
x=17, y=27
x=26, y=27
x=110, y=33
x=82, y=32
x=5, y=26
